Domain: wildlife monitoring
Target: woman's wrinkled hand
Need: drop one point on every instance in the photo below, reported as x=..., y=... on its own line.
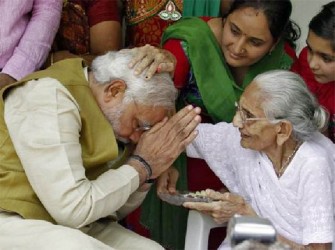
x=163, y=143
x=152, y=59
x=224, y=206
x=167, y=181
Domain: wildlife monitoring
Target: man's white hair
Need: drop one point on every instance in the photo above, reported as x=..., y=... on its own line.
x=157, y=91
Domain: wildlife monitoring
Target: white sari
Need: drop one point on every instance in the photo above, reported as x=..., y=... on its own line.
x=299, y=204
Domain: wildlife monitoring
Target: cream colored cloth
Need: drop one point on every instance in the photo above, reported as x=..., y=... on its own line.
x=54, y=167
x=300, y=204
x=19, y=234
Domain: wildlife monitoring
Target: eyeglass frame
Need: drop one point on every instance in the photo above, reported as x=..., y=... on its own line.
x=143, y=128
x=245, y=120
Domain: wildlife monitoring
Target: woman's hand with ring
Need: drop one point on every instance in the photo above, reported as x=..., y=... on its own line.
x=152, y=60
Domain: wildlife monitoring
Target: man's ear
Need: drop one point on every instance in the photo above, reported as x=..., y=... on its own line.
x=114, y=89
x=284, y=131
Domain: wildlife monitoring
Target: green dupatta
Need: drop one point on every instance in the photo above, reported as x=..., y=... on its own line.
x=167, y=223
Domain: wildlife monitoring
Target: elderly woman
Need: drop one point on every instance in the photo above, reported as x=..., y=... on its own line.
x=274, y=161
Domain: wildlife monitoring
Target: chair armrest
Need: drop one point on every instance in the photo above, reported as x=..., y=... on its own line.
x=198, y=228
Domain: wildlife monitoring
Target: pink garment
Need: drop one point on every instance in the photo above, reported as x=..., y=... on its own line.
x=27, y=30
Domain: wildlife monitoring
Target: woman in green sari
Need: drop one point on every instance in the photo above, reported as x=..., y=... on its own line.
x=216, y=58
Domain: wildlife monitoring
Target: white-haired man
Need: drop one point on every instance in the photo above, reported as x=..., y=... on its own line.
x=61, y=173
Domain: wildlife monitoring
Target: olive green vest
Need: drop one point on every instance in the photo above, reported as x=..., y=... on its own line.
x=97, y=140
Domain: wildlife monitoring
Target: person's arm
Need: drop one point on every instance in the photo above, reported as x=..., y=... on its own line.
x=171, y=58
x=35, y=44
x=104, y=31
x=105, y=36
x=105, y=26
x=206, y=141
x=132, y=203
x=167, y=182
x=152, y=60
x=224, y=206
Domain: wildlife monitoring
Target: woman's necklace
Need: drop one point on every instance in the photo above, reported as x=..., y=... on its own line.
x=288, y=160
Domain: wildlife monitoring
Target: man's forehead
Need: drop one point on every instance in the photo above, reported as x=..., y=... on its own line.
x=150, y=115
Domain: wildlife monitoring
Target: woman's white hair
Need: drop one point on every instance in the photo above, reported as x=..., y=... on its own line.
x=285, y=95
x=157, y=91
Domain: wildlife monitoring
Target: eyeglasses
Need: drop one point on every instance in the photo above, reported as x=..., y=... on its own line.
x=143, y=128
x=244, y=118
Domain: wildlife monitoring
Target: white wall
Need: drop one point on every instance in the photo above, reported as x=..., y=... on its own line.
x=303, y=12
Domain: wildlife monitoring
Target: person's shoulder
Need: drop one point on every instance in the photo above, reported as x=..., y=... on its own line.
x=319, y=147
x=208, y=18
x=215, y=25
x=35, y=93
x=43, y=87
x=217, y=21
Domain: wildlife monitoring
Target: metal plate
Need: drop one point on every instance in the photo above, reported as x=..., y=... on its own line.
x=183, y=196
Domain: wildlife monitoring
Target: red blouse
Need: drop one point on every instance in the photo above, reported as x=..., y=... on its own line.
x=101, y=10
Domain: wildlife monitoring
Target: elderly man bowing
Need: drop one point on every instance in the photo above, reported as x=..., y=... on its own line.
x=62, y=174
